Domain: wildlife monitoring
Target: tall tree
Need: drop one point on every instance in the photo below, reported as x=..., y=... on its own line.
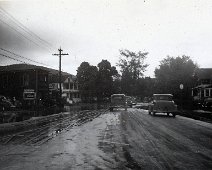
x=132, y=66
x=106, y=75
x=174, y=71
x=86, y=76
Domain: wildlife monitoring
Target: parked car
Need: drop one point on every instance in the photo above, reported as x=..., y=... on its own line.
x=163, y=103
x=143, y=105
x=134, y=102
x=118, y=101
x=129, y=101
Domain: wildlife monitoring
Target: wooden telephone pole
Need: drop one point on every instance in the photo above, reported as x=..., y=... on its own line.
x=60, y=88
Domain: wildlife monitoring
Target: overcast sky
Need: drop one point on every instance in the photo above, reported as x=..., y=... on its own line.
x=92, y=30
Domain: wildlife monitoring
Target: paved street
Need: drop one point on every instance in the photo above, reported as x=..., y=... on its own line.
x=111, y=140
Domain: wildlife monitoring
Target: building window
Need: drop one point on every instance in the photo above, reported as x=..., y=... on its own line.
x=65, y=86
x=207, y=91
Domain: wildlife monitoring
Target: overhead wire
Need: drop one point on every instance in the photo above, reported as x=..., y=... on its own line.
x=26, y=33
x=20, y=25
x=19, y=32
x=13, y=58
x=22, y=31
x=23, y=57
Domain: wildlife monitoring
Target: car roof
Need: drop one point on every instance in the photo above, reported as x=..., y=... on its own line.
x=162, y=95
x=118, y=95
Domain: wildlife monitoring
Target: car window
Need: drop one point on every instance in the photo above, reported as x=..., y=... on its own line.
x=118, y=97
x=169, y=98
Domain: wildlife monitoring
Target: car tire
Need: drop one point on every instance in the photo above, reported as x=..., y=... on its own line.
x=153, y=113
x=167, y=114
x=173, y=114
x=149, y=112
x=111, y=109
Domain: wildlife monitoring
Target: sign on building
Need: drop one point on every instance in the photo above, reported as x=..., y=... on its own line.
x=29, y=94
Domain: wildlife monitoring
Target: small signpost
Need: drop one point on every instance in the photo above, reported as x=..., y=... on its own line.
x=181, y=88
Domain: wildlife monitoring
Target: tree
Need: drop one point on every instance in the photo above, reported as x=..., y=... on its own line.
x=175, y=71
x=132, y=66
x=86, y=76
x=106, y=75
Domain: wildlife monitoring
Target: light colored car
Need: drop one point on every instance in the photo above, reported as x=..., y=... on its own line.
x=118, y=101
x=163, y=103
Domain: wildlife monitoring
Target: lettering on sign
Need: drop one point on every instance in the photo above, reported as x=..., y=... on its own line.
x=29, y=95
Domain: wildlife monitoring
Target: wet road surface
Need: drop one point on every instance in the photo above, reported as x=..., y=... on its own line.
x=111, y=140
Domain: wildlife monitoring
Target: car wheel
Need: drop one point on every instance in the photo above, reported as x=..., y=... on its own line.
x=153, y=113
x=111, y=109
x=167, y=114
x=173, y=114
x=149, y=112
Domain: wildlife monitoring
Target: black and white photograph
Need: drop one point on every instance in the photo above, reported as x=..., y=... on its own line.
x=105, y=85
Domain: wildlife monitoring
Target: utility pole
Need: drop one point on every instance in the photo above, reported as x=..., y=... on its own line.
x=60, y=88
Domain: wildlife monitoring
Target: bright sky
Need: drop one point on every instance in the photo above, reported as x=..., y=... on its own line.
x=92, y=30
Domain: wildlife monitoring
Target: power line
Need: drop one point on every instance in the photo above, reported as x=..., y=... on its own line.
x=13, y=58
x=26, y=36
x=23, y=27
x=24, y=31
x=24, y=57
x=19, y=32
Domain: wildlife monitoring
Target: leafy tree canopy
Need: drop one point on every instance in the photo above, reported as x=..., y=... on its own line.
x=174, y=71
x=105, y=79
x=86, y=76
x=97, y=81
x=132, y=63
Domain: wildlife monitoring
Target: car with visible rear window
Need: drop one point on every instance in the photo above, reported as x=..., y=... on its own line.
x=118, y=101
x=163, y=103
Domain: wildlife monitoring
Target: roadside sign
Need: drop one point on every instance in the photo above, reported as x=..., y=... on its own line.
x=29, y=94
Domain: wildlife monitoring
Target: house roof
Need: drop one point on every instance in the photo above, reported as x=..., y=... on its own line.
x=204, y=73
x=20, y=67
x=203, y=86
x=52, y=72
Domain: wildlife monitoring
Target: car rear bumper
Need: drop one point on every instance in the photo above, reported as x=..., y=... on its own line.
x=164, y=111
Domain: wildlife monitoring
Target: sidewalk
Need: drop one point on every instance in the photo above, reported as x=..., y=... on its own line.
x=197, y=114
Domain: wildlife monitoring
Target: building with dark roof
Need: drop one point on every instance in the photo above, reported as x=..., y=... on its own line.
x=28, y=82
x=19, y=78
x=202, y=93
